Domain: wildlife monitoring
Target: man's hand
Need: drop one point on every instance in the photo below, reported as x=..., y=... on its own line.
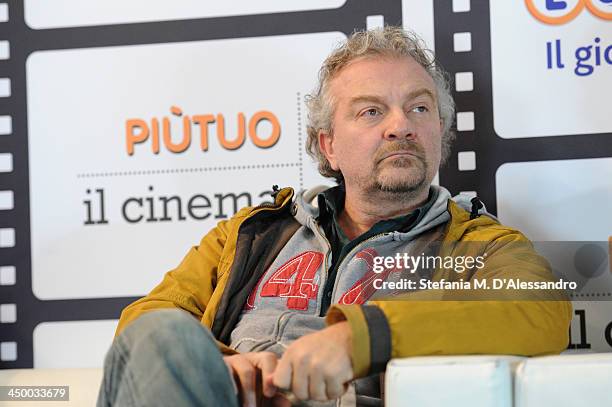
x=245, y=367
x=317, y=366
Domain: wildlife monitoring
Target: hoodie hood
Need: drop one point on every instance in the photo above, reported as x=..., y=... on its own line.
x=306, y=210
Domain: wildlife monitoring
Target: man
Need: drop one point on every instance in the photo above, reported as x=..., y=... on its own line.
x=286, y=288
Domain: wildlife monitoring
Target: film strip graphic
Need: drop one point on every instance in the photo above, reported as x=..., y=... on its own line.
x=20, y=310
x=463, y=47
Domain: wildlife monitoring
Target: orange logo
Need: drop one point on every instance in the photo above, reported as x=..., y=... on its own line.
x=557, y=12
x=139, y=131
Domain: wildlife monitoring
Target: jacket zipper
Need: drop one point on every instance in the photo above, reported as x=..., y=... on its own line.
x=350, y=254
x=326, y=259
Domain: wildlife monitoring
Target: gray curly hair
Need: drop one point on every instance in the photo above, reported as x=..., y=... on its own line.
x=388, y=41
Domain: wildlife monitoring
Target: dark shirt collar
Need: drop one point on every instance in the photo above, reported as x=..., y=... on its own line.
x=331, y=204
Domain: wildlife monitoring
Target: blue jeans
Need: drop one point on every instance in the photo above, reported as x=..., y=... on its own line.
x=166, y=358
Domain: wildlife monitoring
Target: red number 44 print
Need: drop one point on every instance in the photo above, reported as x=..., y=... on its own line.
x=303, y=288
x=363, y=288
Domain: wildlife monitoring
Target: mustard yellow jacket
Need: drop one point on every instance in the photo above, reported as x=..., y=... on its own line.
x=423, y=323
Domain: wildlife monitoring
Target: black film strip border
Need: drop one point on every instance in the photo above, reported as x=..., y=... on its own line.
x=483, y=151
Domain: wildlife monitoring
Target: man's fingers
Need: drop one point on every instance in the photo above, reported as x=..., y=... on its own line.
x=335, y=388
x=245, y=372
x=316, y=385
x=282, y=374
x=308, y=379
x=266, y=362
x=300, y=377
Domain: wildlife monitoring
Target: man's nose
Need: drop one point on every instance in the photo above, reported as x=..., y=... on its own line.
x=398, y=125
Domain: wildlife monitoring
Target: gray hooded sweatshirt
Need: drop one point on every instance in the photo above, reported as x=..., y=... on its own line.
x=287, y=301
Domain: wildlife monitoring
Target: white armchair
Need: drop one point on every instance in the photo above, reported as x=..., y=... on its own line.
x=440, y=381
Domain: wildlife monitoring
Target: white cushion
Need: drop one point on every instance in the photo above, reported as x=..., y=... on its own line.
x=566, y=380
x=457, y=381
x=84, y=384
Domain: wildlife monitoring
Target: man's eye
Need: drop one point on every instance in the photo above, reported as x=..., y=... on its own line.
x=370, y=112
x=420, y=109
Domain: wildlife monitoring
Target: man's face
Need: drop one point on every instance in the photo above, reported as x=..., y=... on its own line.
x=386, y=128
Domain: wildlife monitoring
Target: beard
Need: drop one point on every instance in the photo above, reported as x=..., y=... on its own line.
x=402, y=175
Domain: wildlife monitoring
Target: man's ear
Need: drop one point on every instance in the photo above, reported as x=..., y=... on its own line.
x=326, y=145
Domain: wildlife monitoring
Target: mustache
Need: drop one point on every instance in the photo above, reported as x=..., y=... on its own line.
x=400, y=146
